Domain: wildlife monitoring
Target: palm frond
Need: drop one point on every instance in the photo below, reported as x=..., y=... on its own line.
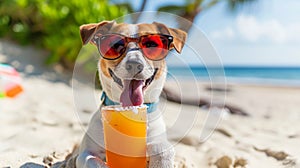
x=235, y=5
x=175, y=9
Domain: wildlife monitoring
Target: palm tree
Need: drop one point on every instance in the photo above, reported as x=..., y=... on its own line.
x=191, y=8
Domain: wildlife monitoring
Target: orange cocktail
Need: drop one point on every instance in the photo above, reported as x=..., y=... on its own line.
x=125, y=136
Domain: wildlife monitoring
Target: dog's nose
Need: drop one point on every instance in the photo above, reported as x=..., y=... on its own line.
x=134, y=66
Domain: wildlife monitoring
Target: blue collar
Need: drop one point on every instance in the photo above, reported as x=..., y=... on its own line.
x=107, y=102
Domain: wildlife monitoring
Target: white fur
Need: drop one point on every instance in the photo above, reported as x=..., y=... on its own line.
x=133, y=29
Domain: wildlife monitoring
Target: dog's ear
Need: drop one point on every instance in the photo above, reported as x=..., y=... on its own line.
x=179, y=36
x=87, y=31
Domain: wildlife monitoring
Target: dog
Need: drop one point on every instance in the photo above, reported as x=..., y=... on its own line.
x=132, y=70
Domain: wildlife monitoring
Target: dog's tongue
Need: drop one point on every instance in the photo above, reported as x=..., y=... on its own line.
x=132, y=94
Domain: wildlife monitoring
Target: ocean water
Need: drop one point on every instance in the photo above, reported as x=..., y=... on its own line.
x=254, y=75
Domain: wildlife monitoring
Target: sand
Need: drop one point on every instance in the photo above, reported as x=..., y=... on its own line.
x=41, y=126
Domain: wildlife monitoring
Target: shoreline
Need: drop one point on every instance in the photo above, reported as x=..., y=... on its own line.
x=244, y=82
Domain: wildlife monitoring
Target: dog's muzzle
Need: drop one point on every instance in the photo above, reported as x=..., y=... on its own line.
x=133, y=90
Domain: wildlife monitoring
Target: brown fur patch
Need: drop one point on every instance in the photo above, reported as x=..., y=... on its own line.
x=87, y=31
x=105, y=64
x=161, y=69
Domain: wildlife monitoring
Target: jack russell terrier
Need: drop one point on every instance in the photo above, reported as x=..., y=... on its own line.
x=132, y=72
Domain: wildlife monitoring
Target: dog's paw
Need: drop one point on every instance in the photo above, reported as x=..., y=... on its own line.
x=93, y=163
x=161, y=155
x=86, y=160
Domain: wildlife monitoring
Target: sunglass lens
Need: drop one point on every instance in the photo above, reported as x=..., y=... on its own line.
x=155, y=47
x=111, y=46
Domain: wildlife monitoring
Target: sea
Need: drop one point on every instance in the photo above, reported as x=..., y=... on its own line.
x=283, y=76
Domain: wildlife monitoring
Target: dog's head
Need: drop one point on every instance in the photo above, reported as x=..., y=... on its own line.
x=132, y=67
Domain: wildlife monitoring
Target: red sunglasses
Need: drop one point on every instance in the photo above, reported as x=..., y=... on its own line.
x=154, y=46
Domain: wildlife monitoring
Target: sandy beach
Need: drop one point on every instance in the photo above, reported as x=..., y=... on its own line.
x=42, y=125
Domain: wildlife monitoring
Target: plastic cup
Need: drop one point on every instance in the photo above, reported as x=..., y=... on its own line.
x=125, y=133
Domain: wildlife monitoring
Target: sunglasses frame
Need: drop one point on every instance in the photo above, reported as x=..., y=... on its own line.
x=136, y=38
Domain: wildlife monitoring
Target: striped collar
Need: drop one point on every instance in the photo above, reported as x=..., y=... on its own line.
x=151, y=107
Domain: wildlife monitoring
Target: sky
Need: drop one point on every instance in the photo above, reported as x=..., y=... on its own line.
x=266, y=33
